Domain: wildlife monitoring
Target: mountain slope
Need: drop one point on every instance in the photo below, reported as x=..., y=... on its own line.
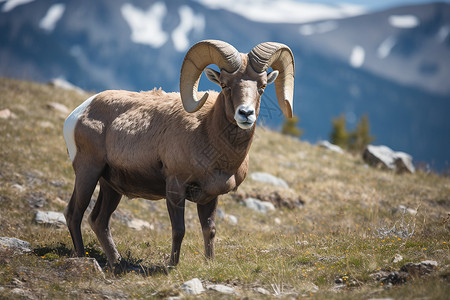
x=392, y=65
x=345, y=225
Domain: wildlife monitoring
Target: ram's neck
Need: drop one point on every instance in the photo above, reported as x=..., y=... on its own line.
x=230, y=142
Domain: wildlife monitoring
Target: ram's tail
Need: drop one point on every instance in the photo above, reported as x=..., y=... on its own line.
x=69, y=127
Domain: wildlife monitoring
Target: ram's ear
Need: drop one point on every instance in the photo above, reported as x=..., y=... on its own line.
x=272, y=76
x=212, y=75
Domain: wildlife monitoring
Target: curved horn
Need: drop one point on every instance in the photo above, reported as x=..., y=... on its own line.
x=279, y=57
x=197, y=58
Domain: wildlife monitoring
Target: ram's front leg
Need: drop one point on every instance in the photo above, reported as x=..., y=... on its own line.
x=207, y=216
x=175, y=194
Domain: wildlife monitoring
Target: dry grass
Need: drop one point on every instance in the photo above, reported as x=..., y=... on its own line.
x=348, y=226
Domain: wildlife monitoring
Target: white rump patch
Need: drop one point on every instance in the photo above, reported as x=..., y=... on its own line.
x=69, y=127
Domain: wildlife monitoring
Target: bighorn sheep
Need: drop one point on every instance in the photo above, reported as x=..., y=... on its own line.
x=146, y=145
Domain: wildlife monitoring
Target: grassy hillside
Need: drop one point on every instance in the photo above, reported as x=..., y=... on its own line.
x=348, y=228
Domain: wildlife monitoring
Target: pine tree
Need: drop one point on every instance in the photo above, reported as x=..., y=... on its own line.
x=361, y=137
x=339, y=135
x=290, y=127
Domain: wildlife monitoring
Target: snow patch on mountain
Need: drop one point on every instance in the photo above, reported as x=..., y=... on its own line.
x=443, y=33
x=146, y=25
x=53, y=15
x=11, y=4
x=357, y=57
x=318, y=28
x=189, y=21
x=284, y=11
x=404, y=21
x=385, y=47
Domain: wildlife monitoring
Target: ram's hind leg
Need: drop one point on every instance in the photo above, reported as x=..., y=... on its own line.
x=207, y=215
x=175, y=205
x=106, y=204
x=85, y=181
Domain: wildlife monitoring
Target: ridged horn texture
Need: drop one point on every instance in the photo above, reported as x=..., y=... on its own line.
x=202, y=54
x=280, y=58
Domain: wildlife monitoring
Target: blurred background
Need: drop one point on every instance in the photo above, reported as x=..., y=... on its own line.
x=388, y=60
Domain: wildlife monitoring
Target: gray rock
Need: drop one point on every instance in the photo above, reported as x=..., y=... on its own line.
x=430, y=263
x=16, y=282
x=193, y=287
x=14, y=244
x=268, y=178
x=222, y=289
x=379, y=275
x=220, y=213
x=18, y=187
x=230, y=219
x=405, y=273
x=397, y=258
x=258, y=205
x=262, y=291
x=395, y=278
x=58, y=107
x=330, y=146
x=84, y=264
x=403, y=209
x=36, y=200
x=302, y=243
x=419, y=269
x=20, y=293
x=403, y=162
x=138, y=224
x=119, y=214
x=65, y=85
x=313, y=288
x=7, y=114
x=385, y=157
x=46, y=124
x=52, y=218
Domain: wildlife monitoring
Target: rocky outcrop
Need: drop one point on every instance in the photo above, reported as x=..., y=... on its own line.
x=193, y=287
x=385, y=158
x=258, y=205
x=15, y=245
x=405, y=273
x=269, y=178
x=329, y=146
x=51, y=218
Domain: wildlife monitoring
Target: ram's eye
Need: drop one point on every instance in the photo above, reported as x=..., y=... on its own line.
x=223, y=85
x=261, y=88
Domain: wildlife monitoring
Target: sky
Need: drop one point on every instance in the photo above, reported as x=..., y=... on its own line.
x=375, y=4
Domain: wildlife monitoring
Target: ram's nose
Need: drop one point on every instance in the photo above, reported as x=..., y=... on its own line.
x=246, y=111
x=245, y=116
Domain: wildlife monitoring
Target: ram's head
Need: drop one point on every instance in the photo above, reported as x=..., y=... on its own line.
x=242, y=77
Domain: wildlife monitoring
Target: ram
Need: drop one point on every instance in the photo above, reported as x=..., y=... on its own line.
x=189, y=145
